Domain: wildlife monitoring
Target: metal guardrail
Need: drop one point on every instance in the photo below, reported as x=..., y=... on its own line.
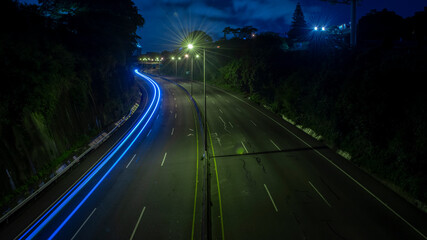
x=120, y=123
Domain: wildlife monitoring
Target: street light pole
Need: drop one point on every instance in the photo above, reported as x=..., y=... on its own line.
x=192, y=75
x=204, y=90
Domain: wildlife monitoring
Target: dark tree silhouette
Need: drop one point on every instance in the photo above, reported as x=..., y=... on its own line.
x=226, y=31
x=247, y=31
x=299, y=26
x=385, y=26
x=418, y=27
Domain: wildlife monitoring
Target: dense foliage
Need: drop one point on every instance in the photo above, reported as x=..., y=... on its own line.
x=65, y=75
x=369, y=102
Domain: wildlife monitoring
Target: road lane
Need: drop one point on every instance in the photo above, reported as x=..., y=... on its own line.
x=167, y=194
x=344, y=202
x=164, y=188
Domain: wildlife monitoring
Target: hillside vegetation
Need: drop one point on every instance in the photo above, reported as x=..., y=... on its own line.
x=65, y=76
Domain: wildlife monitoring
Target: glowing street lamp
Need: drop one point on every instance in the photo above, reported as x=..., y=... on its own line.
x=316, y=28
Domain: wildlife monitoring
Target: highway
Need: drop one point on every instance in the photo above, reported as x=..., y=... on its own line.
x=268, y=180
x=143, y=188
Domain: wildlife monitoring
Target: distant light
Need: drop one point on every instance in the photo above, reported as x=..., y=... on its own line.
x=179, y=58
x=316, y=28
x=323, y=28
x=173, y=58
x=186, y=55
x=190, y=46
x=253, y=34
x=218, y=46
x=197, y=56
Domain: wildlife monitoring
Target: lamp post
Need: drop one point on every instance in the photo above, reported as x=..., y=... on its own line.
x=191, y=46
x=176, y=66
x=191, y=81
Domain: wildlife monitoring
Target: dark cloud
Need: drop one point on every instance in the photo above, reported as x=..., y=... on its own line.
x=169, y=20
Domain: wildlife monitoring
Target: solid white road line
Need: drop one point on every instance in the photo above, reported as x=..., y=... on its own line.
x=80, y=228
x=333, y=164
x=130, y=161
x=164, y=159
x=272, y=201
x=172, y=131
x=220, y=110
x=275, y=145
x=253, y=123
x=244, y=147
x=137, y=224
x=231, y=125
x=324, y=199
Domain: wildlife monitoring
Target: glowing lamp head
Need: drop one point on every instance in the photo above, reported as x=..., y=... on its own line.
x=316, y=28
x=323, y=28
x=186, y=55
x=190, y=46
x=173, y=58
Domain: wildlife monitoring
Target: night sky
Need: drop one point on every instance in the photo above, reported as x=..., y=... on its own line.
x=168, y=20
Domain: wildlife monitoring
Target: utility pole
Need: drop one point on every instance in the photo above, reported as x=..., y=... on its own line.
x=353, y=24
x=353, y=39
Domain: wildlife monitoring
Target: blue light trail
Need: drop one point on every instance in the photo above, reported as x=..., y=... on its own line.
x=61, y=203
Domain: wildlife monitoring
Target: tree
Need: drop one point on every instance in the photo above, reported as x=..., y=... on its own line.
x=299, y=26
x=247, y=31
x=226, y=31
x=235, y=32
x=353, y=17
x=385, y=26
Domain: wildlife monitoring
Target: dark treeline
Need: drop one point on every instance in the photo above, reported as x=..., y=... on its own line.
x=368, y=102
x=65, y=76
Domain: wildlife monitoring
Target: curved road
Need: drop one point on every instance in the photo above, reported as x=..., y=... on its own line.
x=268, y=180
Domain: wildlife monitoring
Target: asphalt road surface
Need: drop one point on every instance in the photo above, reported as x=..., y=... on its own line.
x=267, y=180
x=146, y=190
x=270, y=180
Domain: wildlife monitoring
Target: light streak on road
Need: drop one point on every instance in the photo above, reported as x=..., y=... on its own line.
x=128, y=141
